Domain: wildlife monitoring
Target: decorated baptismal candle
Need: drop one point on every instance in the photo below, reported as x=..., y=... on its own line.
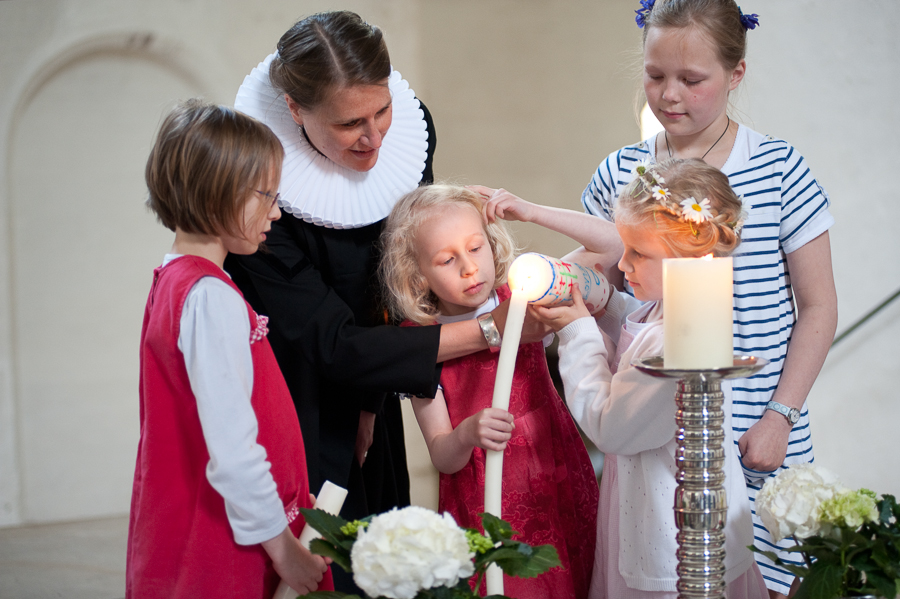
x=548, y=281
x=697, y=329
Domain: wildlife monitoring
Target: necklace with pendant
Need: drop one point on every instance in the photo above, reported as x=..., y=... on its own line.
x=727, y=125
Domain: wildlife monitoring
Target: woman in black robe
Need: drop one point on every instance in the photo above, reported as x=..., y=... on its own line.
x=356, y=139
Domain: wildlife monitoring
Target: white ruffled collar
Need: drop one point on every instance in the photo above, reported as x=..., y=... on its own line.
x=317, y=190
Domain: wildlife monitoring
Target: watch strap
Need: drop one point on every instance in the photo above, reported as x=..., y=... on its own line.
x=792, y=415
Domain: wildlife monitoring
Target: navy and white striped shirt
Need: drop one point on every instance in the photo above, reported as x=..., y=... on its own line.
x=787, y=208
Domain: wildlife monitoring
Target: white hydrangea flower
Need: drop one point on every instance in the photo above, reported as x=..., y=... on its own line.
x=404, y=551
x=790, y=503
x=696, y=211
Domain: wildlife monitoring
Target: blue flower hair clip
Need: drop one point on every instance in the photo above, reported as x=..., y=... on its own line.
x=748, y=21
x=641, y=18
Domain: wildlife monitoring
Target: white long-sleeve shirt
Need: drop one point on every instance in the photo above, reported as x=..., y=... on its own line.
x=632, y=415
x=215, y=340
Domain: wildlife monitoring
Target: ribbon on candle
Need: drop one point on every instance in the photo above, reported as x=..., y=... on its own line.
x=331, y=499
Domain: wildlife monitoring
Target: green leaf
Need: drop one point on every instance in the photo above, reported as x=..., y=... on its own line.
x=328, y=525
x=822, y=582
x=881, y=585
x=888, y=507
x=496, y=528
x=445, y=593
x=340, y=556
x=523, y=560
x=799, y=571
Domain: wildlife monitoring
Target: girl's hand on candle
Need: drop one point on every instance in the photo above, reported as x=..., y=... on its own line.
x=532, y=331
x=294, y=563
x=558, y=317
x=490, y=429
x=507, y=206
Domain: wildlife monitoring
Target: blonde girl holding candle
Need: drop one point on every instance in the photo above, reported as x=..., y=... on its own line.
x=679, y=208
x=442, y=264
x=221, y=474
x=785, y=305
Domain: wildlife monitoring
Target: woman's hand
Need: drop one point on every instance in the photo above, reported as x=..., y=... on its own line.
x=558, y=317
x=490, y=429
x=364, y=435
x=533, y=330
x=503, y=204
x=300, y=569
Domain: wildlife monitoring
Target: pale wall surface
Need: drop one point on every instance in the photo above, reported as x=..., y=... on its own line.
x=528, y=94
x=836, y=63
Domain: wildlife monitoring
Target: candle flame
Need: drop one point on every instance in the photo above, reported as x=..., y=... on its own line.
x=522, y=277
x=708, y=257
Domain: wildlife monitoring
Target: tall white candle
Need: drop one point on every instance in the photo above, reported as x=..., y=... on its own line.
x=697, y=302
x=493, y=467
x=512, y=332
x=331, y=499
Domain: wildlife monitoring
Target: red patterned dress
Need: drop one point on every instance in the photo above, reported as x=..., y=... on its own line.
x=549, y=490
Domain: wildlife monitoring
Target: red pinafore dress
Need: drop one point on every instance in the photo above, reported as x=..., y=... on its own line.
x=180, y=544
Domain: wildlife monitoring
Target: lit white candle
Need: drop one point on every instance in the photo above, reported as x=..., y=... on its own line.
x=331, y=499
x=524, y=286
x=697, y=302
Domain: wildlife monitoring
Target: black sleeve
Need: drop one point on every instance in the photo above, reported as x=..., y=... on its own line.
x=307, y=319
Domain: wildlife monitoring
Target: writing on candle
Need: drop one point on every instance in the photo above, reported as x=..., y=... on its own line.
x=546, y=281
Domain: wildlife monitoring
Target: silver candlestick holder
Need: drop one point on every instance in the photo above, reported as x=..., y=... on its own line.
x=700, y=501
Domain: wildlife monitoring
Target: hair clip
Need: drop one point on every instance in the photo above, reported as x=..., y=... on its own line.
x=748, y=21
x=643, y=12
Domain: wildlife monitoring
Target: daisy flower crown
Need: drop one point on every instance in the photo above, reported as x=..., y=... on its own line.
x=689, y=209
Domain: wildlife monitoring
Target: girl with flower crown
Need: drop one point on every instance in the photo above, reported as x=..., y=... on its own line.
x=785, y=305
x=679, y=208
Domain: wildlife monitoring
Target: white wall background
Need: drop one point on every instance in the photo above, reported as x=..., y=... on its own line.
x=526, y=94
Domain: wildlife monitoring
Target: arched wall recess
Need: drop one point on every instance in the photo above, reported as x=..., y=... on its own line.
x=81, y=249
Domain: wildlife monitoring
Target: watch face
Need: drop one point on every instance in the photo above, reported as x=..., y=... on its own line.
x=793, y=415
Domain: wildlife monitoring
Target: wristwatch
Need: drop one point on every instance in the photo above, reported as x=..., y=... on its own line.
x=490, y=331
x=792, y=415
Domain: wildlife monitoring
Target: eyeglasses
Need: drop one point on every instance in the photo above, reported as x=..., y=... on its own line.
x=274, y=198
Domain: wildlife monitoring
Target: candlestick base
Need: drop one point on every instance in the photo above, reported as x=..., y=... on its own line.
x=701, y=504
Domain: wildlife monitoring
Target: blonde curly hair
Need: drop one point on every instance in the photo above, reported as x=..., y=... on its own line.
x=679, y=180
x=404, y=287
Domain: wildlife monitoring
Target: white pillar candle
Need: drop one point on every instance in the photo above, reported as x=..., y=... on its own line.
x=697, y=305
x=493, y=467
x=548, y=281
x=331, y=499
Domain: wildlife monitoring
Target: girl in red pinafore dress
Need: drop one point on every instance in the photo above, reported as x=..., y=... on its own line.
x=221, y=470
x=442, y=263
